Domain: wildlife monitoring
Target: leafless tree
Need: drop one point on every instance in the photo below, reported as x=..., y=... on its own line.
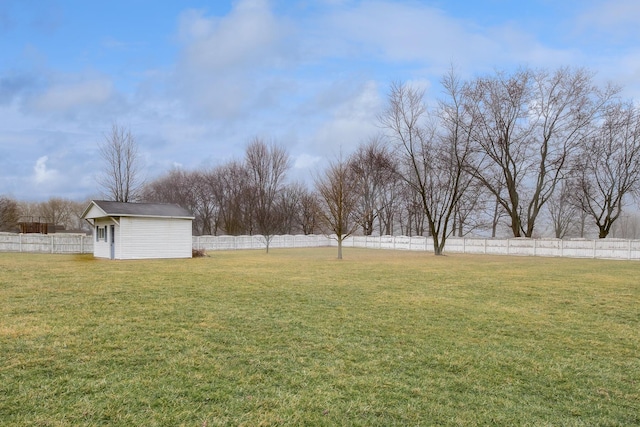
x=528, y=124
x=374, y=171
x=168, y=188
x=563, y=211
x=205, y=208
x=58, y=211
x=627, y=226
x=338, y=196
x=432, y=159
x=609, y=166
x=461, y=197
x=231, y=190
x=62, y=213
x=267, y=166
x=121, y=178
x=309, y=217
x=390, y=202
x=289, y=209
x=183, y=188
x=471, y=212
x=411, y=215
x=9, y=214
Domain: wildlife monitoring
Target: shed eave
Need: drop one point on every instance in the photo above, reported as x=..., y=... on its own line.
x=91, y=205
x=151, y=216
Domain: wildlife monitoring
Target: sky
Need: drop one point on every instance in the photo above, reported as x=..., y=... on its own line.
x=196, y=81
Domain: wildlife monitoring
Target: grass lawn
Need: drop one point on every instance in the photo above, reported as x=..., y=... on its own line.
x=296, y=337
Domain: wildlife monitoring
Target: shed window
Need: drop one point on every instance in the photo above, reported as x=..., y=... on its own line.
x=101, y=233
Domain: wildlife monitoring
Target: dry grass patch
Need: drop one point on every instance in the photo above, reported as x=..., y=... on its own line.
x=297, y=337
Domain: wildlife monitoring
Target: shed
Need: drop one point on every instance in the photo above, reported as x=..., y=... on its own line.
x=139, y=230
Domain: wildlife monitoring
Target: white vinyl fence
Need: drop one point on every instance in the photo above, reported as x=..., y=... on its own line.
x=578, y=248
x=46, y=243
x=214, y=243
x=574, y=248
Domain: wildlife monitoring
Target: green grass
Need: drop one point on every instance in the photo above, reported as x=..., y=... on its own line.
x=295, y=337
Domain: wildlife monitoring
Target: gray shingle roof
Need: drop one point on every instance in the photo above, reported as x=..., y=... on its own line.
x=142, y=209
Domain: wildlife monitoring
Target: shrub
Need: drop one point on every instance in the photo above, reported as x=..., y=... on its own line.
x=198, y=253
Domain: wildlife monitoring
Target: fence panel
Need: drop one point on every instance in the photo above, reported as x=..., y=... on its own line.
x=577, y=248
x=475, y=246
x=613, y=248
x=10, y=242
x=46, y=243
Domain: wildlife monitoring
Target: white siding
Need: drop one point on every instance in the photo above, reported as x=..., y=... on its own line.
x=140, y=238
x=102, y=247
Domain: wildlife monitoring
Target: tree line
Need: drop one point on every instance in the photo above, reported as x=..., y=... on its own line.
x=63, y=213
x=521, y=150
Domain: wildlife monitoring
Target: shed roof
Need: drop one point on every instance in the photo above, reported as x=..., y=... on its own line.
x=109, y=208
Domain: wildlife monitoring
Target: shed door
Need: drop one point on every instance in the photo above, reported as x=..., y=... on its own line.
x=113, y=242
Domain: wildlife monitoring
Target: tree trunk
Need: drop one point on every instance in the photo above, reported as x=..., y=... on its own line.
x=515, y=224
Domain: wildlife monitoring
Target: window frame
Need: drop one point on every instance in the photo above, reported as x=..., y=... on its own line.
x=101, y=233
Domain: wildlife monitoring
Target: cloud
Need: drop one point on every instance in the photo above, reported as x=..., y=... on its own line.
x=423, y=38
x=349, y=123
x=618, y=18
x=393, y=31
x=43, y=175
x=247, y=36
x=63, y=97
x=229, y=65
x=13, y=85
x=306, y=161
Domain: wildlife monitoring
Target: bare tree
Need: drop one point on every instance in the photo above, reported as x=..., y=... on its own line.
x=627, y=226
x=374, y=171
x=470, y=213
x=609, y=166
x=338, y=196
x=563, y=210
x=183, y=188
x=266, y=167
x=58, y=211
x=288, y=207
x=411, y=215
x=205, y=208
x=390, y=202
x=231, y=190
x=309, y=212
x=121, y=179
x=9, y=214
x=527, y=126
x=432, y=160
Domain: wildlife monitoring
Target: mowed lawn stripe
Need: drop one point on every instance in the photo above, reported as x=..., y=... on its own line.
x=296, y=337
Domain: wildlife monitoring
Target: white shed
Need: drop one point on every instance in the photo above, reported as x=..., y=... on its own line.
x=139, y=230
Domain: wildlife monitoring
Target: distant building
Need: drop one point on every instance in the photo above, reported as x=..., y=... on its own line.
x=139, y=230
x=31, y=226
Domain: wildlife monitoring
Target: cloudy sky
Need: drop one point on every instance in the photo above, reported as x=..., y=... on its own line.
x=195, y=81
